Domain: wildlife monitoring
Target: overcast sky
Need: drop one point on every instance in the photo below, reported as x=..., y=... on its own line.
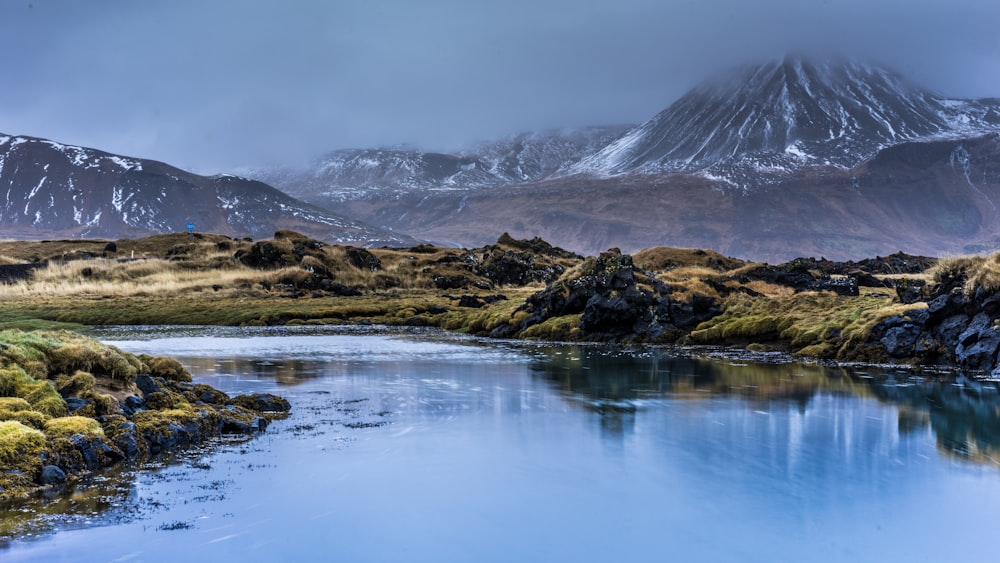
x=212, y=86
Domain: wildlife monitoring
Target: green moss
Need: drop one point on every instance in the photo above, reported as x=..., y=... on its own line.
x=51, y=404
x=66, y=426
x=74, y=385
x=167, y=368
x=14, y=404
x=18, y=442
x=808, y=324
x=41, y=395
x=30, y=418
x=158, y=421
x=53, y=353
x=566, y=327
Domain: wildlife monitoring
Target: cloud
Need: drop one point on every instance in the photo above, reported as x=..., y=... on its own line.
x=211, y=86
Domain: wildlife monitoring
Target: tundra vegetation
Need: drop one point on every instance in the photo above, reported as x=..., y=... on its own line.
x=73, y=404
x=70, y=405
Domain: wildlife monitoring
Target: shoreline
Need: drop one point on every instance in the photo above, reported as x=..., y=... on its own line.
x=72, y=405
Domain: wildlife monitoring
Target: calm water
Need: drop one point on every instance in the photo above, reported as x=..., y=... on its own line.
x=425, y=447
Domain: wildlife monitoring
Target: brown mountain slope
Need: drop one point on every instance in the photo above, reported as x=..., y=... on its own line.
x=933, y=198
x=51, y=190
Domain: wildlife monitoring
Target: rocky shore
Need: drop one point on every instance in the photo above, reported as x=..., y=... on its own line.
x=898, y=308
x=70, y=405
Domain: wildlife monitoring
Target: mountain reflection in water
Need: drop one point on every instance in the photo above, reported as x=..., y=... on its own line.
x=963, y=413
x=420, y=445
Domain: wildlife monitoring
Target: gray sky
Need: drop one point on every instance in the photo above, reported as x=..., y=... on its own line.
x=215, y=85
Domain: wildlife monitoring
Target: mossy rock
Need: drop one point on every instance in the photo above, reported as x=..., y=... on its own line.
x=30, y=418
x=40, y=394
x=208, y=394
x=74, y=385
x=14, y=404
x=98, y=405
x=262, y=402
x=160, y=400
x=84, y=354
x=19, y=442
x=66, y=426
x=167, y=368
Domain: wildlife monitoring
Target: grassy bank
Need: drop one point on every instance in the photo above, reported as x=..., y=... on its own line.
x=214, y=280
x=70, y=404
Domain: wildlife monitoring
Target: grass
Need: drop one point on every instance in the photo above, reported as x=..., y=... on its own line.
x=663, y=259
x=982, y=272
x=18, y=442
x=66, y=426
x=39, y=368
x=813, y=324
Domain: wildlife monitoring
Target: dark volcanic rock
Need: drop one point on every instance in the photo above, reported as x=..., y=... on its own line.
x=268, y=255
x=10, y=273
x=978, y=343
x=618, y=302
x=504, y=267
x=52, y=475
x=909, y=290
x=799, y=276
x=363, y=259
x=262, y=402
x=471, y=301
x=954, y=329
x=149, y=385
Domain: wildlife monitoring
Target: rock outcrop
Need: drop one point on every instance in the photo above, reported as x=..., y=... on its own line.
x=956, y=327
x=616, y=302
x=69, y=405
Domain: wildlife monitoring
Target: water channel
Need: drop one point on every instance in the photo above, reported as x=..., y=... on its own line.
x=424, y=446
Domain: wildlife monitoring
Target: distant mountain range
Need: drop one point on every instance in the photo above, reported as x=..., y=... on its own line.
x=792, y=157
x=390, y=173
x=53, y=190
x=789, y=158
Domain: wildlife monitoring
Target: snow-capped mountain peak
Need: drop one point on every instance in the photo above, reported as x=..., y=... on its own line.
x=51, y=189
x=788, y=113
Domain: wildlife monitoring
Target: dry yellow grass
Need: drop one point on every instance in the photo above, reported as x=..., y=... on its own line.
x=662, y=259
x=981, y=271
x=122, y=279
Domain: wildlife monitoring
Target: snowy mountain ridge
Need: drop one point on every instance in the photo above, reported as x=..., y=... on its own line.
x=769, y=119
x=53, y=189
x=388, y=172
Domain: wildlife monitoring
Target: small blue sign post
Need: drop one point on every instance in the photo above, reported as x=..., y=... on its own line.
x=190, y=229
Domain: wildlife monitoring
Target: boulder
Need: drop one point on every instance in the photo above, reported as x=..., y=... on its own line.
x=262, y=402
x=909, y=290
x=363, y=259
x=126, y=439
x=74, y=404
x=52, y=475
x=148, y=384
x=978, y=344
x=900, y=341
x=618, y=302
x=471, y=301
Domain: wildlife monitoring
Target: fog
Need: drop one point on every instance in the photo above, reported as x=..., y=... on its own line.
x=222, y=85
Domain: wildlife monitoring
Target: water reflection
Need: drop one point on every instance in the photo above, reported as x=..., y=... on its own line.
x=416, y=446
x=964, y=414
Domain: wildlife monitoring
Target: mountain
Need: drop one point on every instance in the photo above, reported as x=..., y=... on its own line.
x=788, y=158
x=53, y=190
x=759, y=121
x=390, y=173
x=932, y=198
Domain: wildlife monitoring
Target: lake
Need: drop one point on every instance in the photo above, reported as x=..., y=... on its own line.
x=424, y=446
